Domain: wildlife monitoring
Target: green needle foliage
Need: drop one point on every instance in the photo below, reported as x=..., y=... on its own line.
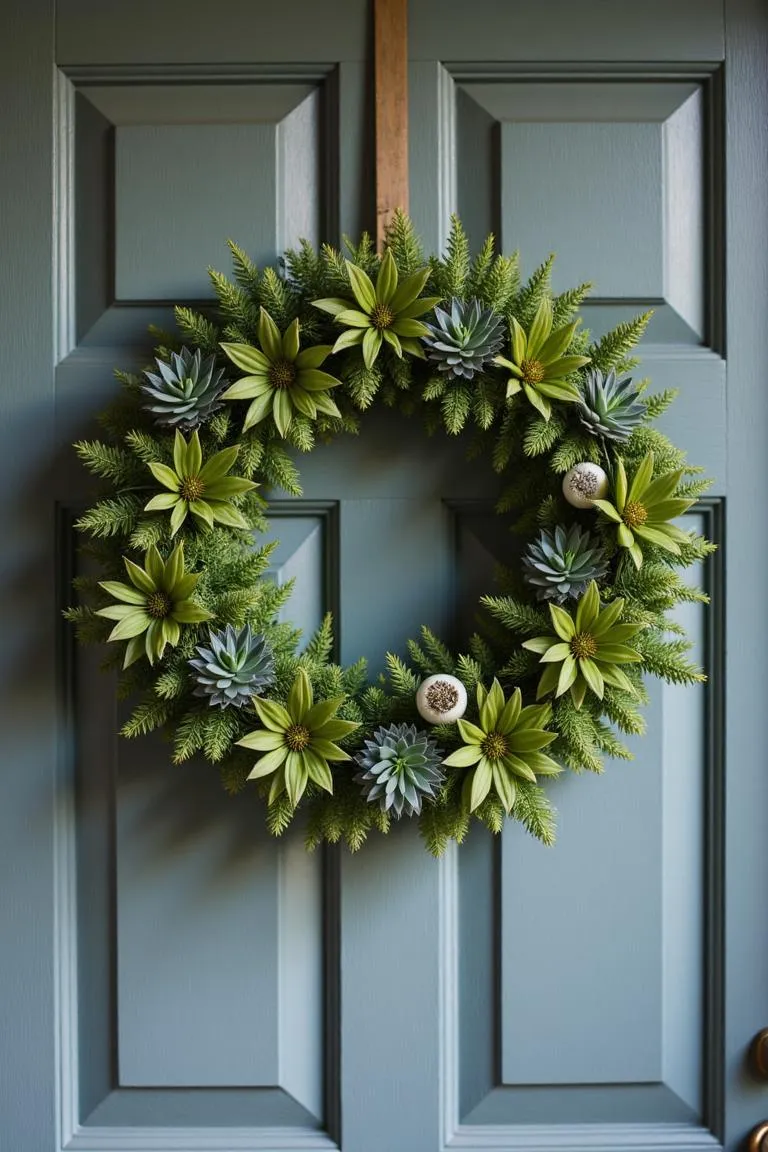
x=586, y=650
x=203, y=491
x=194, y=623
x=386, y=311
x=297, y=740
x=281, y=380
x=152, y=608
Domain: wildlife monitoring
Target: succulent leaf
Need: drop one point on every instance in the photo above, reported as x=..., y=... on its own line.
x=609, y=407
x=185, y=391
x=400, y=768
x=560, y=563
x=463, y=340
x=235, y=665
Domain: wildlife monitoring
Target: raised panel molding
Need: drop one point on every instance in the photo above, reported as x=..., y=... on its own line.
x=675, y=1099
x=158, y=873
x=141, y=203
x=306, y=537
x=635, y=157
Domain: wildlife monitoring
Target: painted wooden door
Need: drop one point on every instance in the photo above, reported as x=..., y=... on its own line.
x=170, y=978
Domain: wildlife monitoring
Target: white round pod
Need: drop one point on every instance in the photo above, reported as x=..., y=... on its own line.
x=584, y=483
x=441, y=699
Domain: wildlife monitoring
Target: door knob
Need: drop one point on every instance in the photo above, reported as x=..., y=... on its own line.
x=757, y=1141
x=758, y=1054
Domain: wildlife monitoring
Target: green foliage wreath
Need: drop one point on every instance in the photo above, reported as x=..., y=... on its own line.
x=557, y=664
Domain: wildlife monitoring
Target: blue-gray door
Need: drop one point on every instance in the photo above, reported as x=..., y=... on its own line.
x=171, y=978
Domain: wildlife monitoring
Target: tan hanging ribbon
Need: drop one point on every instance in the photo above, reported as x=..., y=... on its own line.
x=391, y=77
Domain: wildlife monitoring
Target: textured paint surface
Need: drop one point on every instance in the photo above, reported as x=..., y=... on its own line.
x=449, y=1016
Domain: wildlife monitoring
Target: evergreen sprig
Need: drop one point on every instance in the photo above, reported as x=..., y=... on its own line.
x=230, y=568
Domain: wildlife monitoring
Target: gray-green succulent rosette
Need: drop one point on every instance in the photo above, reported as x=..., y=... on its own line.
x=235, y=665
x=400, y=769
x=179, y=584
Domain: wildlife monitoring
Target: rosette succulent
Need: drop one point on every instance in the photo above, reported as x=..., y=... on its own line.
x=297, y=740
x=382, y=313
x=235, y=665
x=203, y=490
x=506, y=744
x=539, y=364
x=609, y=407
x=461, y=342
x=560, y=563
x=185, y=391
x=400, y=766
x=282, y=378
x=641, y=510
x=153, y=606
x=586, y=650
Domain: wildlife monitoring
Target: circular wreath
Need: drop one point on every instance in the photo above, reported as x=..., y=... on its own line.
x=302, y=352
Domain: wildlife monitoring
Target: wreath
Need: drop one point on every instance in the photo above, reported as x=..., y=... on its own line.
x=302, y=352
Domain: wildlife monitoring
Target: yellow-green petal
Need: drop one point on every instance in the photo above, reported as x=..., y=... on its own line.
x=246, y=358
x=282, y=411
x=165, y=475
x=262, y=740
x=268, y=763
x=138, y=577
x=464, y=757
x=362, y=288
x=162, y=502
x=269, y=336
x=562, y=622
x=291, y=341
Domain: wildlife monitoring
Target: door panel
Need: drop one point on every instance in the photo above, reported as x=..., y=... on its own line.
x=581, y=974
x=202, y=955
x=172, y=978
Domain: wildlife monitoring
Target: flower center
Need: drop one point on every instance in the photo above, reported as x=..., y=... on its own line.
x=584, y=646
x=533, y=371
x=159, y=605
x=494, y=746
x=297, y=737
x=635, y=515
x=282, y=374
x=382, y=316
x=191, y=488
x=442, y=696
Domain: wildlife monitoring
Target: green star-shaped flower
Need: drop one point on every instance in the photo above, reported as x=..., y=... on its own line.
x=641, y=510
x=507, y=743
x=281, y=379
x=586, y=650
x=153, y=606
x=298, y=740
x=204, y=490
x=382, y=313
x=538, y=365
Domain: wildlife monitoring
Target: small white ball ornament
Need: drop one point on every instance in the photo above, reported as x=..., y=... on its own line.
x=441, y=699
x=584, y=483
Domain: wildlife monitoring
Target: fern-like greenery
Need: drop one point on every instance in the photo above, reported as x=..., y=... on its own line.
x=232, y=564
